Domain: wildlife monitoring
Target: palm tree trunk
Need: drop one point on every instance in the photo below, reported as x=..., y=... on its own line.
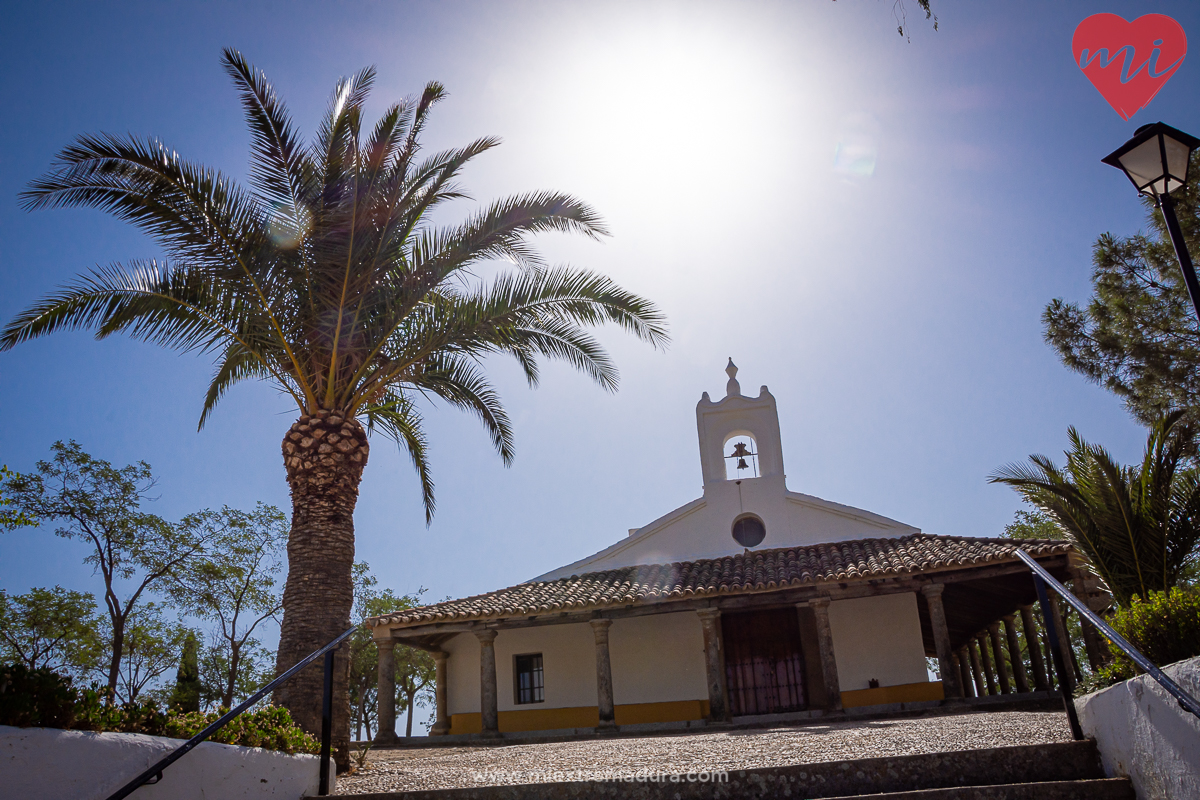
x=324, y=455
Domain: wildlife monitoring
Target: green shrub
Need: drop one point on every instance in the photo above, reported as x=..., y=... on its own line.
x=1165, y=628
x=92, y=714
x=270, y=727
x=44, y=699
x=38, y=697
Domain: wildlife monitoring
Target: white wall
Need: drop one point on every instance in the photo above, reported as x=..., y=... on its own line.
x=462, y=674
x=877, y=637
x=568, y=663
x=49, y=764
x=702, y=528
x=657, y=659
x=1142, y=733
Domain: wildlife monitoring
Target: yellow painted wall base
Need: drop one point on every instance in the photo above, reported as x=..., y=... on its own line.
x=679, y=711
x=549, y=719
x=904, y=693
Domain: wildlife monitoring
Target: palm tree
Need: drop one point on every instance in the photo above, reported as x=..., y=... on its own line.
x=1139, y=526
x=327, y=279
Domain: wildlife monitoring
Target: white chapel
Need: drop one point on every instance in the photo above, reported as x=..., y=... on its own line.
x=752, y=602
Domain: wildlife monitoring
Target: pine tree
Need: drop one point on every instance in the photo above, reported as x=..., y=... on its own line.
x=186, y=696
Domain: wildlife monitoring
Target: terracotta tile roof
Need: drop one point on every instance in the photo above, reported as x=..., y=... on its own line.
x=752, y=571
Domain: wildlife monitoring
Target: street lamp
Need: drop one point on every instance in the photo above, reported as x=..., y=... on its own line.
x=1156, y=162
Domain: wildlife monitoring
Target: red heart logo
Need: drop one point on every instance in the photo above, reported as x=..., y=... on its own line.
x=1129, y=61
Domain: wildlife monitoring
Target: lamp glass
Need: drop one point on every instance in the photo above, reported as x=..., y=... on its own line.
x=1177, y=162
x=1144, y=165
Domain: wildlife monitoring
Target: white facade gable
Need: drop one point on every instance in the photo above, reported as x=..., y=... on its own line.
x=703, y=528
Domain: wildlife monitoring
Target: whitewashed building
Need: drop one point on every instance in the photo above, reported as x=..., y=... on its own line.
x=751, y=600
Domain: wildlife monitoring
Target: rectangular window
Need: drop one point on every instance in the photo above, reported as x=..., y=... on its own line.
x=529, y=679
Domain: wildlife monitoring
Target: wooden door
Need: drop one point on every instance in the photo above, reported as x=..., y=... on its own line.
x=764, y=662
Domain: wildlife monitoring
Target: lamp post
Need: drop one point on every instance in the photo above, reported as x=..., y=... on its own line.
x=1156, y=162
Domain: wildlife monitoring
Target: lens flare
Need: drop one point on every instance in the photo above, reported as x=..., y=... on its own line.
x=288, y=226
x=857, y=150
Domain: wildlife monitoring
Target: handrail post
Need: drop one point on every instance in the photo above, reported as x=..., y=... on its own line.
x=157, y=767
x=1185, y=700
x=1064, y=685
x=326, y=723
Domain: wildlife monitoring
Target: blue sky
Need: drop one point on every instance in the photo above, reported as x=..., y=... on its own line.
x=895, y=316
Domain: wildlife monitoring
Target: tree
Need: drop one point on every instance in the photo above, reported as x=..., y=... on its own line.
x=186, y=696
x=369, y=601
x=1138, y=336
x=101, y=505
x=233, y=584
x=328, y=279
x=416, y=673
x=1032, y=523
x=11, y=518
x=149, y=649
x=1138, y=526
x=255, y=668
x=53, y=628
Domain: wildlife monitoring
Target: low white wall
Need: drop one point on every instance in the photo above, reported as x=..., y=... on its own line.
x=877, y=637
x=1142, y=733
x=49, y=764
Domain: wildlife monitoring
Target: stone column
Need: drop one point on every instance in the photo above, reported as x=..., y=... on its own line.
x=604, y=687
x=964, y=666
x=1014, y=653
x=976, y=669
x=386, y=696
x=941, y=639
x=714, y=664
x=1093, y=642
x=487, y=682
x=998, y=654
x=833, y=690
x=441, y=724
x=1064, y=644
x=985, y=659
x=1035, y=650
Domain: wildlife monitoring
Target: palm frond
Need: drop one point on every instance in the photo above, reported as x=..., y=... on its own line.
x=327, y=276
x=397, y=418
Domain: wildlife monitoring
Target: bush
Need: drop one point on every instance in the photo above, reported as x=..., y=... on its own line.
x=1165, y=628
x=44, y=699
x=270, y=727
x=35, y=697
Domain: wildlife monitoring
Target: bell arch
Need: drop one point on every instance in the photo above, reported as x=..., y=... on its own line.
x=721, y=422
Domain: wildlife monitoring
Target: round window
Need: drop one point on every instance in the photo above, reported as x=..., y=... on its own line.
x=749, y=531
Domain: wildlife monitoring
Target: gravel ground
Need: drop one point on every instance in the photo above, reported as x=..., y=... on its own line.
x=448, y=767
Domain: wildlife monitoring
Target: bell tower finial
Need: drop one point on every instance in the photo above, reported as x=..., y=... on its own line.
x=733, y=388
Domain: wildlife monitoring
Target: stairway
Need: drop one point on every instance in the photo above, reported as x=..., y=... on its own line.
x=1063, y=771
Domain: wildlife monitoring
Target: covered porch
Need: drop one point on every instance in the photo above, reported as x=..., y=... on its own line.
x=771, y=634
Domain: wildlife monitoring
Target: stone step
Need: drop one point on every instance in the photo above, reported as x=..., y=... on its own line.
x=1097, y=789
x=1044, y=764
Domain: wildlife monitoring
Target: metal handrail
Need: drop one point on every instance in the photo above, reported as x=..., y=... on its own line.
x=1042, y=578
x=155, y=771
